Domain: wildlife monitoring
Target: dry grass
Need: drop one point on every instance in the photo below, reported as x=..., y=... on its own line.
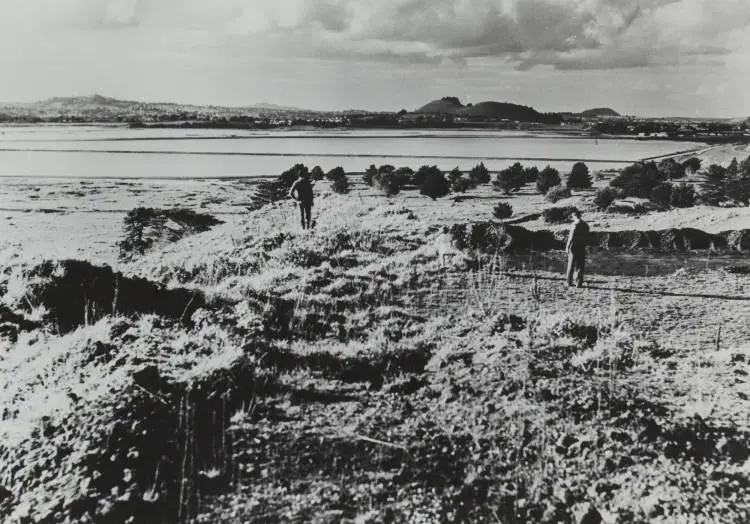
x=342, y=375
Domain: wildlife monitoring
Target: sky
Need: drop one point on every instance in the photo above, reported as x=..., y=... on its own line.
x=641, y=57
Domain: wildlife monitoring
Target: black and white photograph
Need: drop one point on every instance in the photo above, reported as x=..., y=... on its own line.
x=386, y=261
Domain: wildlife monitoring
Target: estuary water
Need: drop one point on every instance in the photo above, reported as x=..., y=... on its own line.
x=119, y=152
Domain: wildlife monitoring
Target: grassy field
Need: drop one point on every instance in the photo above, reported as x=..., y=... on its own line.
x=340, y=375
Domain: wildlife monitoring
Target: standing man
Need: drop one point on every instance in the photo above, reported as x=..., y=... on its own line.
x=302, y=192
x=576, y=249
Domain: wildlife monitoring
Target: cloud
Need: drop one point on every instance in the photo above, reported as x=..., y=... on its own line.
x=564, y=34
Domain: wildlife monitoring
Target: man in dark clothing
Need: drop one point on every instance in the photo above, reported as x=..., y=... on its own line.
x=576, y=249
x=302, y=192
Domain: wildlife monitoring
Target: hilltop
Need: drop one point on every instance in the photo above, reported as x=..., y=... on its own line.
x=484, y=110
x=600, y=111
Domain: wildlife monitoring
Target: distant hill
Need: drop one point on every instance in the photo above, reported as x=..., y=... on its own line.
x=448, y=105
x=496, y=110
x=502, y=110
x=600, y=111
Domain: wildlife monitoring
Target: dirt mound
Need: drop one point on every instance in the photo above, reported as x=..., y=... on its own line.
x=75, y=293
x=144, y=455
x=489, y=237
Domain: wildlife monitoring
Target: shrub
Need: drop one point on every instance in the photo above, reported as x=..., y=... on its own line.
x=510, y=179
x=604, y=197
x=661, y=194
x=317, y=173
x=434, y=184
x=549, y=177
x=671, y=169
x=336, y=173
x=530, y=174
x=480, y=174
x=579, y=177
x=339, y=180
x=557, y=193
x=340, y=185
x=638, y=180
x=461, y=185
x=423, y=172
x=387, y=182
x=404, y=175
x=454, y=175
x=737, y=186
x=713, y=185
x=683, y=195
x=558, y=215
x=143, y=227
x=370, y=172
x=502, y=211
x=290, y=175
x=692, y=165
x=386, y=168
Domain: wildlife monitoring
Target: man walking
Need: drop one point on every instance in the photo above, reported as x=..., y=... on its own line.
x=576, y=249
x=302, y=193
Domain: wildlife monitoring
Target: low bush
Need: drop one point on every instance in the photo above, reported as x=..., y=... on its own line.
x=434, y=184
x=661, y=194
x=692, y=165
x=340, y=185
x=423, y=172
x=146, y=227
x=317, y=173
x=530, y=174
x=557, y=193
x=502, y=211
x=671, y=169
x=462, y=184
x=682, y=195
x=404, y=176
x=339, y=180
x=638, y=180
x=558, y=215
x=604, y=198
x=387, y=182
x=549, y=177
x=336, y=173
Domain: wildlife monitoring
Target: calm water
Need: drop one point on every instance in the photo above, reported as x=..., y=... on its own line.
x=107, y=151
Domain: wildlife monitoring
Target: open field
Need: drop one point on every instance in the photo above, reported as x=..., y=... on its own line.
x=260, y=373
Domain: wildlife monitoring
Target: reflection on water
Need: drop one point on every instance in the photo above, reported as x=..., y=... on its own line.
x=643, y=264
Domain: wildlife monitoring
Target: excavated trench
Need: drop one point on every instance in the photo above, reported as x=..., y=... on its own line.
x=629, y=252
x=75, y=293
